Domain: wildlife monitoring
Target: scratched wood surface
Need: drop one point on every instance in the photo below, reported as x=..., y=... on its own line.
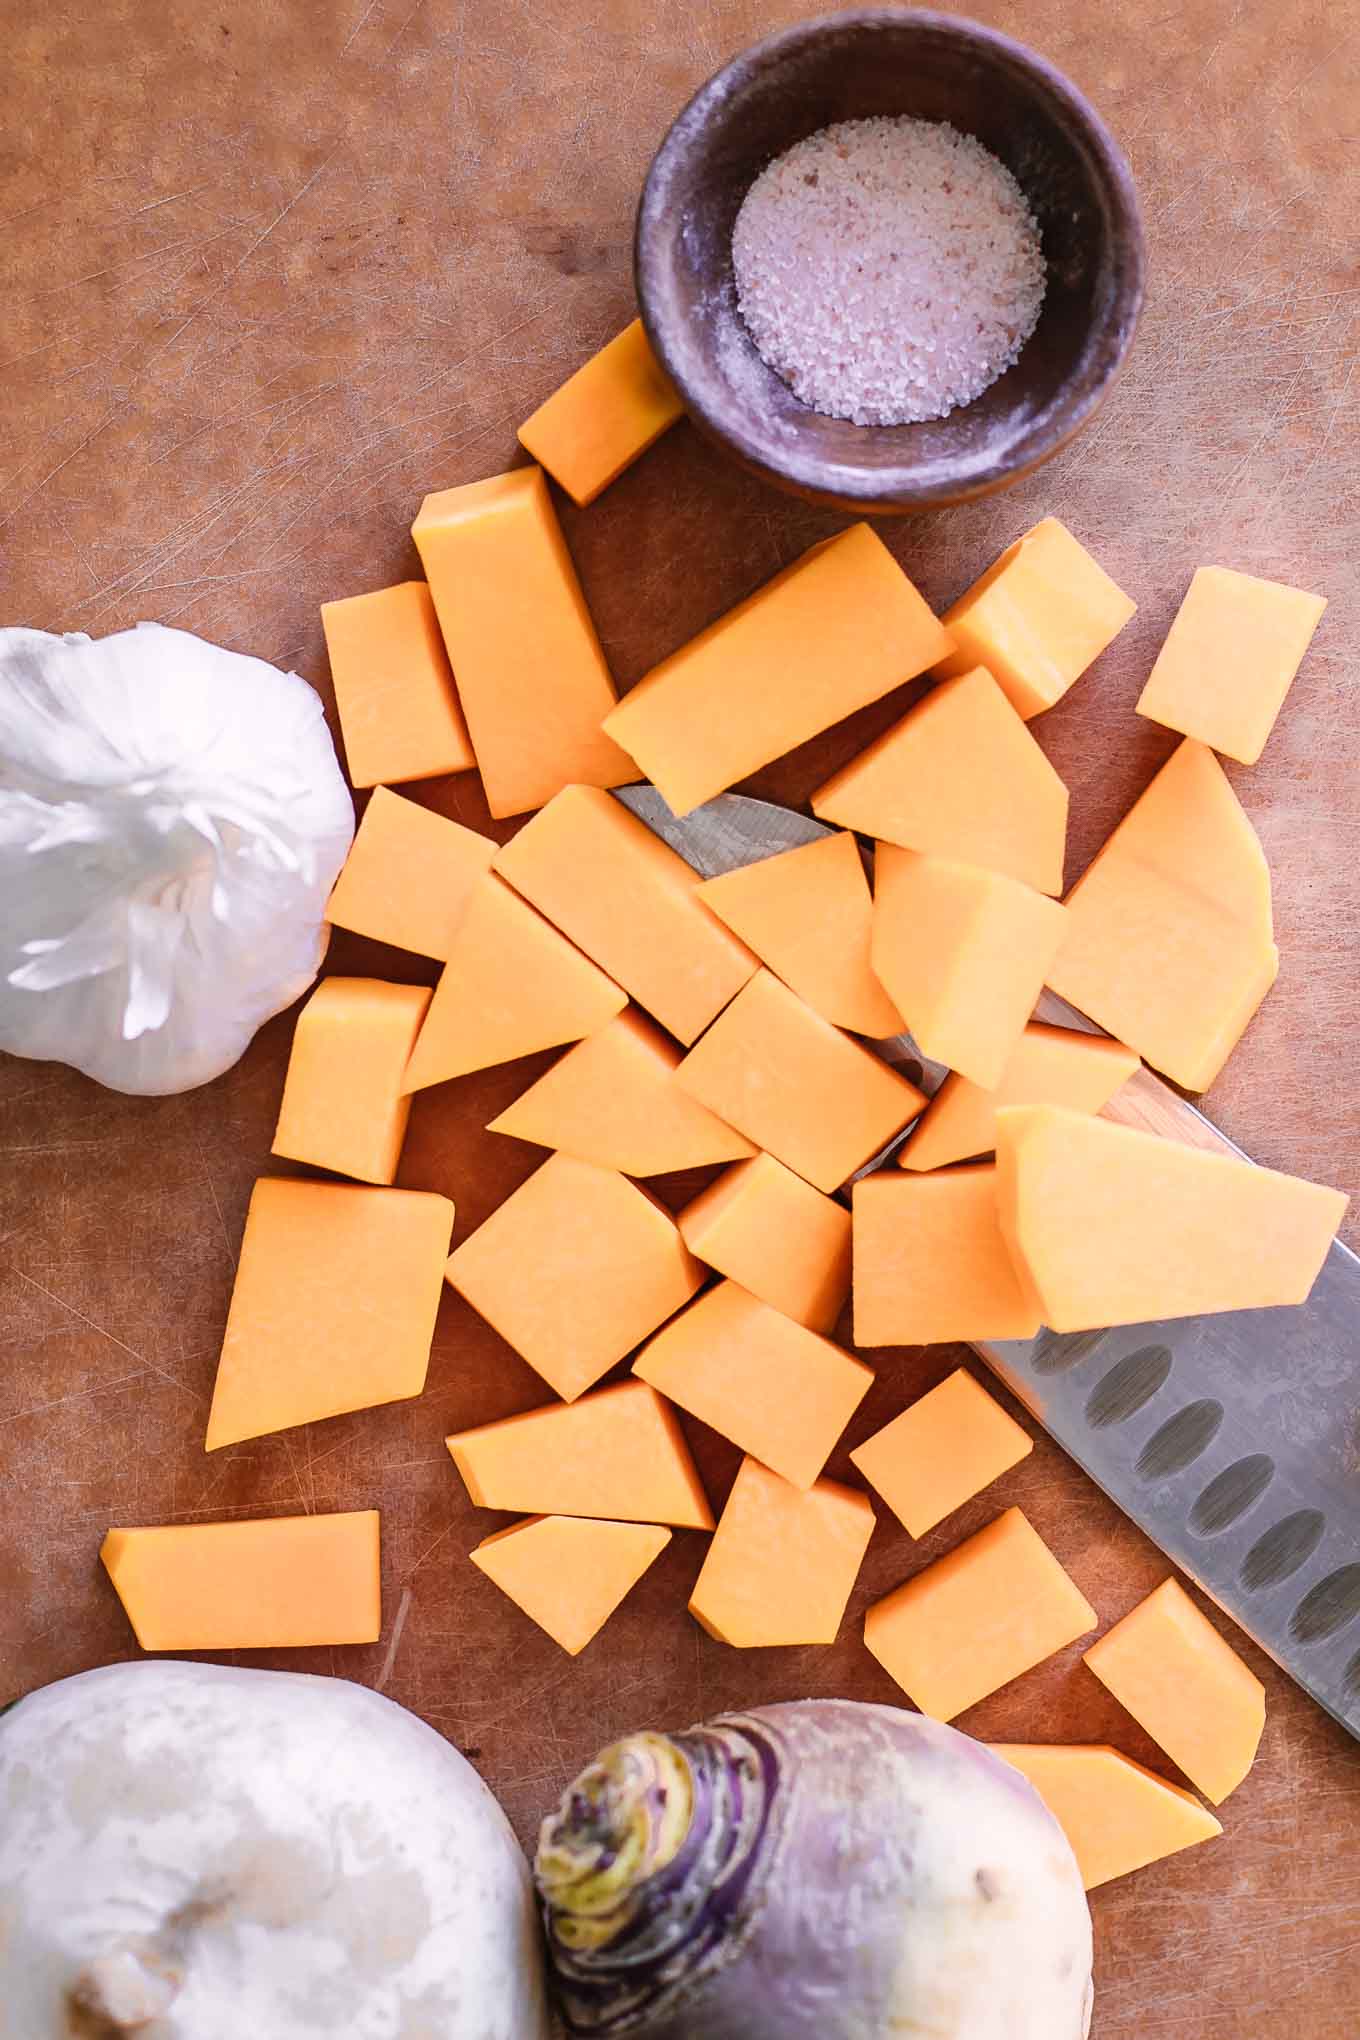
x=270, y=273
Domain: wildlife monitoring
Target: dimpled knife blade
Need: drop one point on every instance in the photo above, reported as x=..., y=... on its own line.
x=1233, y=1441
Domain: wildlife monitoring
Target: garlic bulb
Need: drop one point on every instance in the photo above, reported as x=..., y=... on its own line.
x=172, y=819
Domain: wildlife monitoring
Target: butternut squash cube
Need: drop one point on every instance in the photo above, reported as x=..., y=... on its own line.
x=947, y=1447
x=769, y=1385
x=1049, y=1066
x=778, y=1237
x=806, y=913
x=337, y=1290
x=1186, y=1685
x=409, y=875
x=987, y=1612
x=569, y=1573
x=574, y=1270
x=783, y=1561
x=531, y=676
x=836, y=630
x=1229, y=660
x=343, y=1107
x=631, y=904
x=931, y=1264
x=399, y=713
x=1111, y=1226
x=618, y=1453
x=961, y=777
x=616, y=406
x=1037, y=618
x=964, y=953
x=1117, y=1815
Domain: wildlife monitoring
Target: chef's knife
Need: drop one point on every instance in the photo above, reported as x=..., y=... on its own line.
x=1233, y=1441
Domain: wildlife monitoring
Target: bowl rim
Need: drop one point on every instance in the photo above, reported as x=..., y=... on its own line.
x=885, y=490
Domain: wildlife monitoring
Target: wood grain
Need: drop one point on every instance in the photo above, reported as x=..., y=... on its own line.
x=272, y=272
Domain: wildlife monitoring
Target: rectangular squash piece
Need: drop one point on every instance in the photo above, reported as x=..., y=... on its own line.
x=1112, y=1226
x=1169, y=1667
x=569, y=1573
x=839, y=628
x=285, y=1581
x=1170, y=942
x=343, y=1107
x=1048, y=1066
x=947, y=1447
x=769, y=1385
x=931, y=1264
x=576, y=1268
x=1229, y=660
x=337, y=1290
x=778, y=1237
x=1117, y=1815
x=1037, y=618
x=409, y=875
x=530, y=673
x=632, y=904
x=586, y=433
x=806, y=913
x=964, y=953
x=618, y=1453
x=783, y=1561
x=988, y=1611
x=511, y=985
x=795, y=1085
x=399, y=712
x=613, y=1100
x=961, y=777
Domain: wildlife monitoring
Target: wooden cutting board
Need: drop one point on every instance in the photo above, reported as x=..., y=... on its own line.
x=272, y=272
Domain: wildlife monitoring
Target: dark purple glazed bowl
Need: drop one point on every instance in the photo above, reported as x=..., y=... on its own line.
x=936, y=67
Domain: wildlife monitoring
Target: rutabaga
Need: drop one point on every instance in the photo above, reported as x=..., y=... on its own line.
x=817, y=1871
x=172, y=819
x=200, y=1853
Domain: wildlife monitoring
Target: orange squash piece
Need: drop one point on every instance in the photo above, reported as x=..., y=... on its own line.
x=399, y=713
x=1230, y=659
x=987, y=1612
x=343, y=1107
x=1117, y=1815
x=806, y=913
x=569, y=1573
x=839, y=628
x=1112, y=1226
x=511, y=986
x=947, y=1447
x=1037, y=618
x=613, y=1100
x=1048, y=1066
x=1180, y=1680
x=574, y=1270
x=286, y=1581
x=783, y=1561
x=964, y=953
x=1170, y=943
x=618, y=1453
x=632, y=904
x=531, y=676
x=796, y=1086
x=769, y=1385
x=333, y=1309
x=778, y=1237
x=961, y=777
x=586, y=433
x=930, y=1262
x=409, y=875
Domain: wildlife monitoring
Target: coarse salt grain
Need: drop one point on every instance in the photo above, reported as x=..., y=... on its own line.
x=888, y=270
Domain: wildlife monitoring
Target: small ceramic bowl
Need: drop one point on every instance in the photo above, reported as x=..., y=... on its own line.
x=936, y=67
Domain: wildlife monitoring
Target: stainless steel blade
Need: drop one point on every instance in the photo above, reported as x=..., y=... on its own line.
x=1233, y=1441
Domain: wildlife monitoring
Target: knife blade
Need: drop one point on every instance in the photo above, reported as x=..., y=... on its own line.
x=1233, y=1441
